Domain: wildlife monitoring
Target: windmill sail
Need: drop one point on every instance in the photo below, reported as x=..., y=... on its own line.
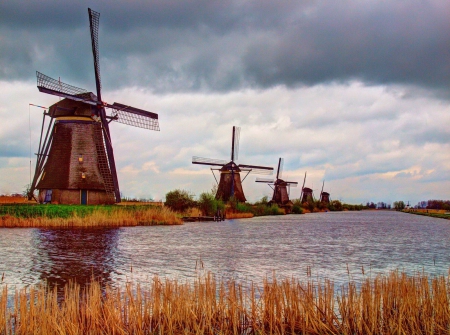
x=135, y=117
x=208, y=161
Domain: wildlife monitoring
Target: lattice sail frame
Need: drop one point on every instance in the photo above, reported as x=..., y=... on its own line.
x=58, y=86
x=119, y=112
x=94, y=23
x=208, y=161
x=135, y=120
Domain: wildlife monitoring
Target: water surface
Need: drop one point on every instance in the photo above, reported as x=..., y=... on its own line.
x=335, y=245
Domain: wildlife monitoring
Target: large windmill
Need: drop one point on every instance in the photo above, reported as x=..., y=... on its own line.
x=75, y=161
x=280, y=188
x=230, y=184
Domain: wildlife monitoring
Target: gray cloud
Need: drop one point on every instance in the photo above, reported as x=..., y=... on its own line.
x=228, y=45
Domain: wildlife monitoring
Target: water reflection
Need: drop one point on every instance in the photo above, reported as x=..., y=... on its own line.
x=74, y=254
x=328, y=243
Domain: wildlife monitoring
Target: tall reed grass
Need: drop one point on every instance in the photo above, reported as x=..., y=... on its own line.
x=392, y=304
x=107, y=216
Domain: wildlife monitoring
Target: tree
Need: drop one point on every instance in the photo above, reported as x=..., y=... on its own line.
x=399, y=205
x=179, y=200
x=335, y=205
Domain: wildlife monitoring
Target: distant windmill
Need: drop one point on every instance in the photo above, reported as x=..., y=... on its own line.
x=75, y=160
x=280, y=188
x=307, y=193
x=230, y=184
x=324, y=196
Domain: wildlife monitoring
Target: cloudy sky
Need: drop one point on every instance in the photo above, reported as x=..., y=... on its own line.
x=356, y=93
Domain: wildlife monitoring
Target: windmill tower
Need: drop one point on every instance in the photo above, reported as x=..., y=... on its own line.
x=324, y=196
x=307, y=193
x=230, y=184
x=280, y=188
x=75, y=161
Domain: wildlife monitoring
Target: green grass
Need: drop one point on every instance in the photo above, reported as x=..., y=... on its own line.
x=259, y=210
x=61, y=211
x=433, y=215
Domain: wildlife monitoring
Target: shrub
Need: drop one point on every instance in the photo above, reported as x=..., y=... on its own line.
x=243, y=207
x=209, y=205
x=297, y=207
x=335, y=205
x=264, y=201
x=179, y=200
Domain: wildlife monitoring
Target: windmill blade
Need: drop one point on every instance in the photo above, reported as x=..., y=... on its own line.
x=236, y=137
x=280, y=167
x=208, y=161
x=256, y=169
x=94, y=20
x=268, y=168
x=134, y=116
x=49, y=85
x=264, y=180
x=292, y=183
x=304, y=180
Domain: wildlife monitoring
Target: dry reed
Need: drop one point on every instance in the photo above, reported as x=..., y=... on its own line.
x=12, y=199
x=237, y=215
x=392, y=304
x=119, y=217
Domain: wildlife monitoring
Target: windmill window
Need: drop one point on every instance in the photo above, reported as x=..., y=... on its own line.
x=80, y=158
x=83, y=176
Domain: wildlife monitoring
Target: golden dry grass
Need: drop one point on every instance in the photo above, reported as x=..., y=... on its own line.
x=193, y=212
x=420, y=210
x=12, y=199
x=237, y=215
x=392, y=304
x=146, y=216
x=140, y=203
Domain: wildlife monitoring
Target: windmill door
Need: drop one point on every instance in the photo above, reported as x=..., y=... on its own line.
x=48, y=196
x=84, y=197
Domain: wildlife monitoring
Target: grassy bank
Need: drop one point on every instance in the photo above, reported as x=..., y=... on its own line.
x=433, y=214
x=84, y=216
x=392, y=304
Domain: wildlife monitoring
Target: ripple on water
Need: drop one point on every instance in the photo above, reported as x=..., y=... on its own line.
x=250, y=249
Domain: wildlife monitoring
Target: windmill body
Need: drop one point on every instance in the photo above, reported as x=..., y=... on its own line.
x=76, y=170
x=75, y=160
x=307, y=195
x=230, y=183
x=280, y=193
x=324, y=196
x=280, y=189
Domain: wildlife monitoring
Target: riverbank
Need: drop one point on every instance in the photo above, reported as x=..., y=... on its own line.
x=434, y=213
x=68, y=216
x=394, y=303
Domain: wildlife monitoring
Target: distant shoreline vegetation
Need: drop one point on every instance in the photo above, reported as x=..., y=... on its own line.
x=182, y=201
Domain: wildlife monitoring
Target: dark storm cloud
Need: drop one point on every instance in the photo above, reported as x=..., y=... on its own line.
x=225, y=45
